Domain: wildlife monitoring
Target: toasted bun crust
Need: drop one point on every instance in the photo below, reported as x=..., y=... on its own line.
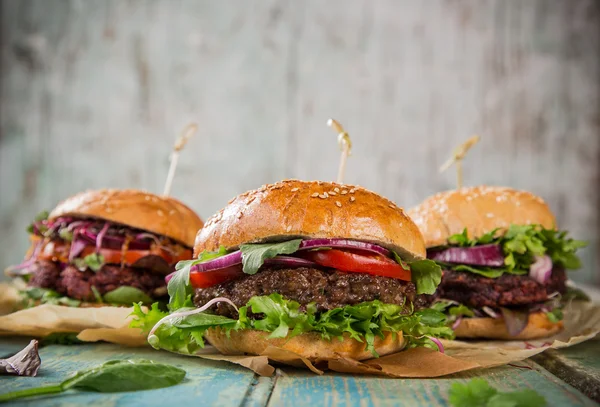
x=311, y=209
x=539, y=326
x=309, y=345
x=161, y=215
x=479, y=209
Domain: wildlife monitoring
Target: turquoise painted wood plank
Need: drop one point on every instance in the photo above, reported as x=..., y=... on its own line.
x=207, y=383
x=10, y=346
x=579, y=366
x=301, y=388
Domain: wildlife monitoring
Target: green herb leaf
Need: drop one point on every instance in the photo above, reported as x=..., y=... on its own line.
x=478, y=392
x=65, y=234
x=60, y=338
x=126, y=295
x=426, y=275
x=179, y=286
x=254, y=255
x=556, y=315
x=92, y=261
x=97, y=295
x=31, y=296
x=460, y=311
x=43, y=215
x=111, y=377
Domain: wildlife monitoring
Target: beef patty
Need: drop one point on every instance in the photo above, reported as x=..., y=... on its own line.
x=507, y=290
x=327, y=289
x=78, y=284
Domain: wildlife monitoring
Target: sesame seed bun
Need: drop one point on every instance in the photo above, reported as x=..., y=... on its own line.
x=161, y=215
x=311, y=209
x=308, y=345
x=480, y=210
x=539, y=326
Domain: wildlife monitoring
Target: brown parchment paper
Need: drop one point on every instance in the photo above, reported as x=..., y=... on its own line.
x=110, y=324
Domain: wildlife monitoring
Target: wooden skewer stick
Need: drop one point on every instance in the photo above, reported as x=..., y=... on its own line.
x=459, y=153
x=186, y=134
x=345, y=146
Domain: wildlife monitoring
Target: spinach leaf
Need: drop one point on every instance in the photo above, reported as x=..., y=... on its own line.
x=111, y=377
x=254, y=255
x=126, y=295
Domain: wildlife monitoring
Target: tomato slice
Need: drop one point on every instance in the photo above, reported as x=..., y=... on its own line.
x=205, y=279
x=359, y=263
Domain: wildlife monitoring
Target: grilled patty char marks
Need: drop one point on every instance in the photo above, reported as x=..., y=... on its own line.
x=327, y=289
x=507, y=290
x=78, y=284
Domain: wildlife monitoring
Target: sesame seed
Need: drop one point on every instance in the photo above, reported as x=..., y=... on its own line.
x=326, y=194
x=332, y=193
x=160, y=213
x=323, y=196
x=338, y=203
x=344, y=192
x=352, y=190
x=336, y=189
x=172, y=212
x=316, y=194
x=352, y=199
x=392, y=206
x=295, y=189
x=108, y=210
x=239, y=215
x=147, y=197
x=288, y=228
x=252, y=198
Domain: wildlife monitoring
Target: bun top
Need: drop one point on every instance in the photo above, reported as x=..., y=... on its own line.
x=161, y=215
x=480, y=210
x=311, y=209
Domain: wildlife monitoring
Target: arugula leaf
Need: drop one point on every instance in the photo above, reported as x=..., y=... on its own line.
x=478, y=392
x=111, y=377
x=126, y=295
x=283, y=318
x=179, y=288
x=92, y=261
x=254, y=255
x=426, y=275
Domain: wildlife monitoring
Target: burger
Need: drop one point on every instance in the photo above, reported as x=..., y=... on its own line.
x=316, y=268
x=503, y=261
x=106, y=247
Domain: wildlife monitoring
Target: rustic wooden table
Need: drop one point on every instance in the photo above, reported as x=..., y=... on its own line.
x=569, y=377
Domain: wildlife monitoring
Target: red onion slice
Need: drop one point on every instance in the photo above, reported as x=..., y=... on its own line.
x=438, y=343
x=490, y=312
x=485, y=255
x=22, y=269
x=101, y=236
x=541, y=269
x=190, y=312
x=515, y=321
x=77, y=246
x=222, y=262
x=456, y=323
x=344, y=244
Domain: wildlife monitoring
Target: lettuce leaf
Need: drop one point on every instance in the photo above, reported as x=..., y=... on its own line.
x=32, y=295
x=283, y=318
x=126, y=295
x=520, y=244
x=254, y=255
x=426, y=275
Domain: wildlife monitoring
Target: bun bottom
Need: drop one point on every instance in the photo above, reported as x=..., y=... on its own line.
x=539, y=326
x=308, y=345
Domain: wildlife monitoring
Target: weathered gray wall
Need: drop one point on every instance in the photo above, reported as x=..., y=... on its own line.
x=93, y=93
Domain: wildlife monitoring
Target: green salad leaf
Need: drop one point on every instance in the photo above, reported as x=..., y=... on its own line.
x=92, y=261
x=31, y=296
x=478, y=393
x=283, y=318
x=254, y=255
x=43, y=215
x=126, y=295
x=520, y=245
x=426, y=275
x=179, y=288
